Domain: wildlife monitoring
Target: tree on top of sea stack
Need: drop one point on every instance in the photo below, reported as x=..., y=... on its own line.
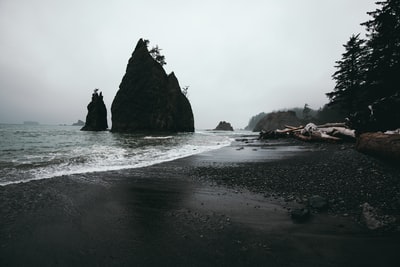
x=96, y=119
x=148, y=99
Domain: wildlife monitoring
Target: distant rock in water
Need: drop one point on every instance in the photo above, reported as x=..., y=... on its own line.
x=224, y=126
x=148, y=99
x=96, y=119
x=79, y=123
x=277, y=120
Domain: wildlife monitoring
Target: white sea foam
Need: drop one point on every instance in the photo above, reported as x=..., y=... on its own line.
x=89, y=152
x=158, y=137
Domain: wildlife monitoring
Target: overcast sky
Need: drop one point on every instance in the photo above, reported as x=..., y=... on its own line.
x=238, y=57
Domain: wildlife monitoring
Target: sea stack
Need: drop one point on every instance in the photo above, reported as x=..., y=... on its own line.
x=224, y=126
x=149, y=100
x=96, y=119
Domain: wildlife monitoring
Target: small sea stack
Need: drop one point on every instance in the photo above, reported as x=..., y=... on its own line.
x=224, y=126
x=96, y=119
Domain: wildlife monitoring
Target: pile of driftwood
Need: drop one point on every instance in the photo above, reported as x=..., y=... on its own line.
x=381, y=144
x=332, y=132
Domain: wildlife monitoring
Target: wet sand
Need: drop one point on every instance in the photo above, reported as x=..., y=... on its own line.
x=227, y=207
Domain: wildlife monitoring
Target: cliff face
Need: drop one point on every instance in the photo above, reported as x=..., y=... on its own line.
x=148, y=99
x=96, y=119
x=277, y=120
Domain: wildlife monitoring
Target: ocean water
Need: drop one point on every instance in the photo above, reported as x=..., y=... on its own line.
x=38, y=152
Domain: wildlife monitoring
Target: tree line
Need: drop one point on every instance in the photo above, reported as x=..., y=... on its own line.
x=369, y=71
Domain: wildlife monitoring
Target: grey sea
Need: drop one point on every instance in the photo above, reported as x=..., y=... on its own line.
x=34, y=152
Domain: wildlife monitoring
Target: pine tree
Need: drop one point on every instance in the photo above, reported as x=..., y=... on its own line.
x=306, y=112
x=383, y=76
x=155, y=53
x=350, y=76
x=368, y=76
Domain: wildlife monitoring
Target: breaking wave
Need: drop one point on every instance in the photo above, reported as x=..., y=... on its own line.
x=51, y=151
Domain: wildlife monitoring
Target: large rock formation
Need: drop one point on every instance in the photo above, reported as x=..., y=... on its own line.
x=224, y=126
x=277, y=120
x=96, y=119
x=148, y=99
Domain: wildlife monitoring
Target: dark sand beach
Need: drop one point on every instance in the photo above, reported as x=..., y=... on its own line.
x=228, y=207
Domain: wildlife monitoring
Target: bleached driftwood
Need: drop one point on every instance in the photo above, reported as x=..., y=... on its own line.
x=294, y=127
x=325, y=132
x=339, y=132
x=397, y=131
x=330, y=132
x=316, y=136
x=309, y=129
x=289, y=129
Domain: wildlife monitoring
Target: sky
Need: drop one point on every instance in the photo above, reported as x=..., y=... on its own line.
x=238, y=57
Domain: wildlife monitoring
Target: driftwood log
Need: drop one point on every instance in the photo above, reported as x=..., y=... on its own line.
x=331, y=132
x=379, y=144
x=316, y=136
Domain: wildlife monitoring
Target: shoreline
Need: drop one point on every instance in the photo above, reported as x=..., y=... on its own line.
x=345, y=177
x=224, y=207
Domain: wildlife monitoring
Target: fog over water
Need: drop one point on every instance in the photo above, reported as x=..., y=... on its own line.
x=238, y=57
